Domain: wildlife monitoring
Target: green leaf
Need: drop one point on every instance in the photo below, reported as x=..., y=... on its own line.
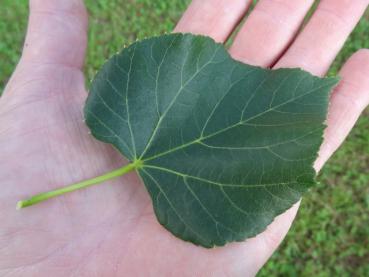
x=222, y=147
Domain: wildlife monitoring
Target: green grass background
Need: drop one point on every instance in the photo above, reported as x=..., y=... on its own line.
x=331, y=234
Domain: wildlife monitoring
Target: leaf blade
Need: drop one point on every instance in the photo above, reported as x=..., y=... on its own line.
x=224, y=147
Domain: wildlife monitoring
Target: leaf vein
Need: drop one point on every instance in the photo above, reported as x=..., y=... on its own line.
x=216, y=222
x=173, y=101
x=172, y=206
x=110, y=130
x=126, y=100
x=245, y=186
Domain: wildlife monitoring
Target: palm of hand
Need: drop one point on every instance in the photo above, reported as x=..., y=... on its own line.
x=107, y=230
x=102, y=229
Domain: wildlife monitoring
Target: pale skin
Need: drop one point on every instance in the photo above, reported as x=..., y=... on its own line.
x=110, y=229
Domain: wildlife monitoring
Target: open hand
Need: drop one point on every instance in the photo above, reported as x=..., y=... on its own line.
x=110, y=230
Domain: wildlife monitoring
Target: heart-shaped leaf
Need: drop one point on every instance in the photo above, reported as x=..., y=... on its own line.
x=222, y=147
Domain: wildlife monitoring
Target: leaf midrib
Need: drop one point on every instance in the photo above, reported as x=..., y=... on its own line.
x=161, y=118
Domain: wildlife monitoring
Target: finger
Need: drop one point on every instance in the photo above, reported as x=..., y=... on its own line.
x=56, y=33
x=324, y=35
x=268, y=31
x=348, y=101
x=214, y=18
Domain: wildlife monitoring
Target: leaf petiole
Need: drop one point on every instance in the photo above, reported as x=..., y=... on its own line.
x=84, y=184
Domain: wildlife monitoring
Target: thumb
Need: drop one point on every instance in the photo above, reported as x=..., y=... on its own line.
x=57, y=33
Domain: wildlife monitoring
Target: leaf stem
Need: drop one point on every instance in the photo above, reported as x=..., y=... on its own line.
x=84, y=184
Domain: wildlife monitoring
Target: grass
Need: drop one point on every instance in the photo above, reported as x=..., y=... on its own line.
x=331, y=234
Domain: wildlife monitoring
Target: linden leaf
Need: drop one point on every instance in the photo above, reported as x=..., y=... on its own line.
x=222, y=147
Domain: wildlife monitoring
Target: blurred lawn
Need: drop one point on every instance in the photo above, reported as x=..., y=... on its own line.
x=331, y=234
